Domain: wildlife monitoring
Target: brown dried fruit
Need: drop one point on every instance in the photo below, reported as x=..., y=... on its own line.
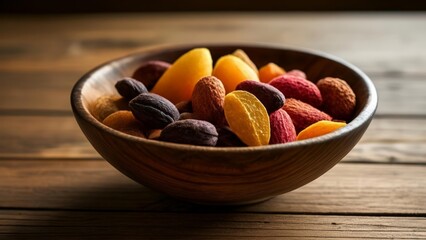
x=154, y=111
x=207, y=100
x=106, y=105
x=303, y=114
x=190, y=131
x=124, y=121
x=268, y=95
x=150, y=72
x=129, y=88
x=187, y=115
x=184, y=106
x=338, y=98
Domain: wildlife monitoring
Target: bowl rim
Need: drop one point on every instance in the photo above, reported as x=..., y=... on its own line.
x=365, y=113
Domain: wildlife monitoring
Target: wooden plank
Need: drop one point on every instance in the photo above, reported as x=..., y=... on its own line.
x=396, y=140
x=373, y=189
x=43, y=137
x=130, y=225
x=76, y=42
x=34, y=91
x=50, y=90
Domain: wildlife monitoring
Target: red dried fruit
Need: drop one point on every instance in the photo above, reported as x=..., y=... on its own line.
x=282, y=128
x=298, y=88
x=297, y=73
x=303, y=114
x=149, y=72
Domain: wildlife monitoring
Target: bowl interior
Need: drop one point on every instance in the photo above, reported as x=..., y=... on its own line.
x=316, y=65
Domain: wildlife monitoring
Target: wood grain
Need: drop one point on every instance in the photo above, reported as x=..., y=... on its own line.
x=372, y=189
x=119, y=225
x=54, y=185
x=394, y=140
x=391, y=42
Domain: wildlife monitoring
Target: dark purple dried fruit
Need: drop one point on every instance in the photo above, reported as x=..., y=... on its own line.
x=129, y=88
x=190, y=131
x=227, y=138
x=268, y=95
x=153, y=110
x=149, y=72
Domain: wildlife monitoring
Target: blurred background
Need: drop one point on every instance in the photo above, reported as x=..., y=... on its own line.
x=94, y=6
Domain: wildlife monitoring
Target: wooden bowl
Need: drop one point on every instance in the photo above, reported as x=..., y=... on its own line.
x=220, y=175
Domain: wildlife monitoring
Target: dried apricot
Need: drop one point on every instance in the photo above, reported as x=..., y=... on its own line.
x=239, y=53
x=178, y=82
x=124, y=121
x=247, y=118
x=231, y=70
x=319, y=128
x=269, y=72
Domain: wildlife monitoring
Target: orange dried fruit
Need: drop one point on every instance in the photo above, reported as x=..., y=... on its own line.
x=231, y=70
x=269, y=72
x=247, y=118
x=243, y=56
x=178, y=82
x=319, y=128
x=124, y=121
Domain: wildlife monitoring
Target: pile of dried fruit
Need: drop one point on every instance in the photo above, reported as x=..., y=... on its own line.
x=230, y=104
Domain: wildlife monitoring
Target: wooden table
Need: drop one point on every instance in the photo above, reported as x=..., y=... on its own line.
x=53, y=185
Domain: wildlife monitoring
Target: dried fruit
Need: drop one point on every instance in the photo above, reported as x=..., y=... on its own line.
x=106, y=105
x=154, y=134
x=124, y=121
x=130, y=88
x=338, y=98
x=239, y=53
x=227, y=138
x=207, y=100
x=282, y=128
x=247, y=117
x=149, y=72
x=297, y=73
x=268, y=95
x=187, y=115
x=184, y=106
x=298, y=88
x=178, y=82
x=231, y=70
x=319, y=128
x=154, y=111
x=269, y=72
x=190, y=131
x=303, y=114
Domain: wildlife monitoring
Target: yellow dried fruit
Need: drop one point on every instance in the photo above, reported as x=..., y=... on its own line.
x=247, y=118
x=231, y=71
x=239, y=53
